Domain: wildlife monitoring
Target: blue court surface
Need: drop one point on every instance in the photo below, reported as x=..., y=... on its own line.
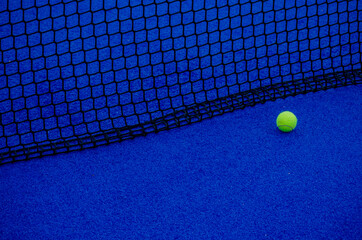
x=231, y=177
x=72, y=69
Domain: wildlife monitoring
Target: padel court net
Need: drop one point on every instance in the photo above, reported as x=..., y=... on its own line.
x=76, y=74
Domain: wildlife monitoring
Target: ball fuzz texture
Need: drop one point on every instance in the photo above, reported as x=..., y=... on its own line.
x=286, y=121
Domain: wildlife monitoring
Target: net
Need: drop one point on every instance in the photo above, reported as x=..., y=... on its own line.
x=80, y=74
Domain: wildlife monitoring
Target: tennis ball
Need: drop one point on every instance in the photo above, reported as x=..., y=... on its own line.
x=286, y=121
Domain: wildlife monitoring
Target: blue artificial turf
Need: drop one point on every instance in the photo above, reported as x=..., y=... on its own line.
x=231, y=177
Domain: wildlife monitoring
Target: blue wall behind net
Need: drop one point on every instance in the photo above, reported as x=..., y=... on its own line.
x=71, y=68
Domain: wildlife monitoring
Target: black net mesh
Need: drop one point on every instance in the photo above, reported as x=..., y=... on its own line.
x=79, y=74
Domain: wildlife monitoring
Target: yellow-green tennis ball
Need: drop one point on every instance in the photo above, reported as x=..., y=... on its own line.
x=286, y=121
